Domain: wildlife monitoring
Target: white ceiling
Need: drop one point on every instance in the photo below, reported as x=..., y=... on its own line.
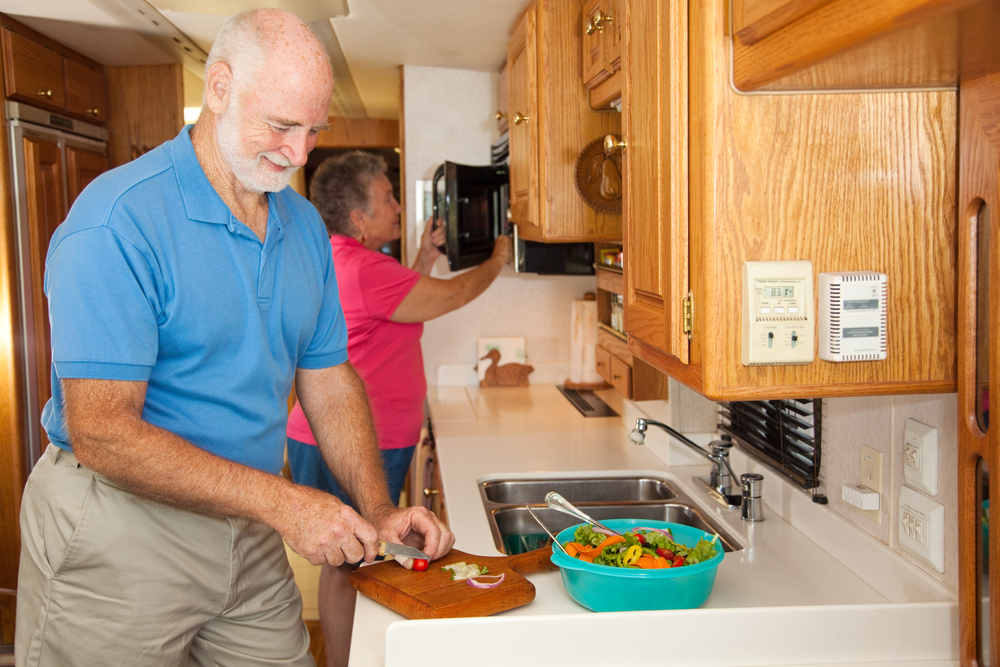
x=367, y=45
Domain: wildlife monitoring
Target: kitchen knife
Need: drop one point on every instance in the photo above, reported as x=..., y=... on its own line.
x=400, y=550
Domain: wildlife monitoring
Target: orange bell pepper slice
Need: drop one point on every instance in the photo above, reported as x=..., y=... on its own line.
x=613, y=539
x=648, y=562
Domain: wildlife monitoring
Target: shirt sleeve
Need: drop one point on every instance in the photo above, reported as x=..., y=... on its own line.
x=103, y=301
x=328, y=346
x=385, y=283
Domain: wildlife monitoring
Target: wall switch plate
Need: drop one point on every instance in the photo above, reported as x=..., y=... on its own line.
x=871, y=478
x=920, y=456
x=921, y=528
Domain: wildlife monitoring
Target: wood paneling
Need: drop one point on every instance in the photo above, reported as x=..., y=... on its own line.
x=147, y=108
x=360, y=133
x=979, y=182
x=755, y=19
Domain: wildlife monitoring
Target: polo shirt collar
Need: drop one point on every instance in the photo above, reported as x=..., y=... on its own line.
x=201, y=201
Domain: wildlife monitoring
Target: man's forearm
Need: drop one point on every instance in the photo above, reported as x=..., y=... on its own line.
x=110, y=438
x=336, y=405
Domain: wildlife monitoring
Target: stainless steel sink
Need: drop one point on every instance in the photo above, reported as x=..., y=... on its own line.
x=639, y=497
x=614, y=489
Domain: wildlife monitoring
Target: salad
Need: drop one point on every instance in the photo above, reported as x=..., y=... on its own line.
x=644, y=548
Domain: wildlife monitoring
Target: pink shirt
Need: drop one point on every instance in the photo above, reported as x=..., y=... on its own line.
x=385, y=354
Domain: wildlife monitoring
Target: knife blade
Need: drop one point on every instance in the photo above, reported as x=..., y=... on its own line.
x=400, y=550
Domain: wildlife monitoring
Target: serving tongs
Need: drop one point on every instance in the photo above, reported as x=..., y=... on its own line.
x=555, y=501
x=535, y=516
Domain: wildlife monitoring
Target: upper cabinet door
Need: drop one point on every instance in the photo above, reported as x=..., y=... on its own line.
x=522, y=119
x=655, y=121
x=32, y=72
x=85, y=92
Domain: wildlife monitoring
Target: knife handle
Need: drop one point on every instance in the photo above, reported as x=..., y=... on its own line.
x=381, y=548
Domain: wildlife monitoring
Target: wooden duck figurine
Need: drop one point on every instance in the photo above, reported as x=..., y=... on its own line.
x=508, y=375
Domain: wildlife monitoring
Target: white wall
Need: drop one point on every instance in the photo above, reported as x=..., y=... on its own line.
x=449, y=115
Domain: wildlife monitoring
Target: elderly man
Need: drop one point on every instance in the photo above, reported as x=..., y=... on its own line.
x=186, y=290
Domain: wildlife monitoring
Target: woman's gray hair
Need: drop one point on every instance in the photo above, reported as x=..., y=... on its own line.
x=342, y=184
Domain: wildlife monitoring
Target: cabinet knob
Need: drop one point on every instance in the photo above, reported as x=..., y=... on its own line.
x=500, y=114
x=600, y=19
x=94, y=111
x=590, y=27
x=47, y=92
x=616, y=377
x=611, y=143
x=428, y=492
x=518, y=118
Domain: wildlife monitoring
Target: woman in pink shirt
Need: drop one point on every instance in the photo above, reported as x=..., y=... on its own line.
x=385, y=305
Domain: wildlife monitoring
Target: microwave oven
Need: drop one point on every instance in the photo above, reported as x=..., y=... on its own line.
x=473, y=201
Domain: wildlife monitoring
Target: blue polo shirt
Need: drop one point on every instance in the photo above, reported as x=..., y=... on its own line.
x=152, y=279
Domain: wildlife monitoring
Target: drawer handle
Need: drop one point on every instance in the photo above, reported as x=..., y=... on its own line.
x=94, y=112
x=428, y=492
x=616, y=377
x=600, y=363
x=518, y=118
x=45, y=93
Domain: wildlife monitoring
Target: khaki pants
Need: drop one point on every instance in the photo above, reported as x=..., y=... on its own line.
x=108, y=578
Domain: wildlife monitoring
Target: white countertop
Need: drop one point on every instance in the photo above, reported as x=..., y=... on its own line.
x=807, y=588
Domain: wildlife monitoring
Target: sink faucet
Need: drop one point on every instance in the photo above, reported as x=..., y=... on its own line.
x=722, y=475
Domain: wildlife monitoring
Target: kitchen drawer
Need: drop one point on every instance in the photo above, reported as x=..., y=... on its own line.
x=32, y=72
x=621, y=376
x=603, y=362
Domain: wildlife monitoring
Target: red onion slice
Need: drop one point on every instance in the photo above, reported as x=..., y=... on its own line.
x=478, y=584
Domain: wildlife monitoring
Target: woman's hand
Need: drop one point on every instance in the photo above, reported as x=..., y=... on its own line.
x=434, y=235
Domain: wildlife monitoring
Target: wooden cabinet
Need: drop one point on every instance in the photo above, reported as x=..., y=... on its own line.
x=633, y=378
x=842, y=44
x=42, y=72
x=425, y=478
x=551, y=123
x=854, y=181
x=602, y=53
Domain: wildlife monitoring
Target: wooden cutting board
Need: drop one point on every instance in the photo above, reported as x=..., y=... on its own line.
x=432, y=594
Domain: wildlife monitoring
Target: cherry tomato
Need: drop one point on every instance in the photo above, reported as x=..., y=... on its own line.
x=640, y=538
x=419, y=564
x=666, y=553
x=678, y=561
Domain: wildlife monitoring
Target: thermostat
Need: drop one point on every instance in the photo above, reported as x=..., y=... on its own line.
x=852, y=316
x=777, y=313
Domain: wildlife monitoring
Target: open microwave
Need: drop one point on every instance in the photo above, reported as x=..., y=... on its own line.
x=473, y=201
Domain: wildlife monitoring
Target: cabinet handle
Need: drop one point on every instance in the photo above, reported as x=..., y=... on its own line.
x=601, y=19
x=518, y=118
x=45, y=93
x=94, y=112
x=611, y=143
x=428, y=492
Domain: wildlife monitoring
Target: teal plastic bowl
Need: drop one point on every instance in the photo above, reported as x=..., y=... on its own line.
x=603, y=588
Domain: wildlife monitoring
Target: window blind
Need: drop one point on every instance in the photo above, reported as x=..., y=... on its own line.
x=786, y=434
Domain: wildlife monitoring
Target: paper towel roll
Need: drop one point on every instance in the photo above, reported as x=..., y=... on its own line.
x=583, y=341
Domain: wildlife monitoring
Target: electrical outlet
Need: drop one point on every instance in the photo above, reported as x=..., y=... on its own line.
x=871, y=477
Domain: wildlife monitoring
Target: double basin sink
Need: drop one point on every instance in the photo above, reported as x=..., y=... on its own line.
x=602, y=497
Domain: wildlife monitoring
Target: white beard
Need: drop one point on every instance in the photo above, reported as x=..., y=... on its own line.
x=249, y=171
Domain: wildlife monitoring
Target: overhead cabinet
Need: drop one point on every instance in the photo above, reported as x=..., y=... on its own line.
x=715, y=178
x=551, y=124
x=43, y=73
x=602, y=51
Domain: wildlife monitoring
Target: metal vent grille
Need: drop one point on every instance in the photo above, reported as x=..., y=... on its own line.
x=785, y=434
